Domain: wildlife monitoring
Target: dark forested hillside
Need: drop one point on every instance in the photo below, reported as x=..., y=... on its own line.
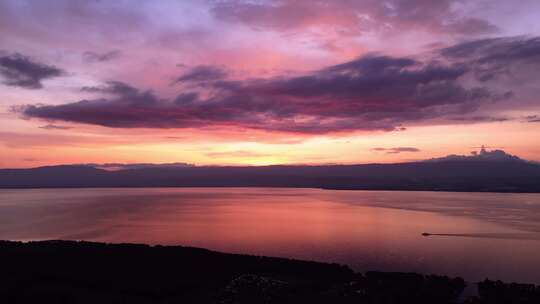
x=460, y=175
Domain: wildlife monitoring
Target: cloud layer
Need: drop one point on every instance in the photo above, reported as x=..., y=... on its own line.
x=373, y=92
x=353, y=17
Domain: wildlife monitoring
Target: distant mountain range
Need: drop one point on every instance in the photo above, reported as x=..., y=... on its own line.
x=487, y=171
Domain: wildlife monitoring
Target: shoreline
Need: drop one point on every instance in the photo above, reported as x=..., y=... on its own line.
x=270, y=187
x=454, y=176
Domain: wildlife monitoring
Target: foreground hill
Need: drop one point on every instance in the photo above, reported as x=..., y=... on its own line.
x=83, y=272
x=473, y=175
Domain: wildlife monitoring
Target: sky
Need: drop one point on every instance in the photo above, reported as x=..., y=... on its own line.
x=266, y=82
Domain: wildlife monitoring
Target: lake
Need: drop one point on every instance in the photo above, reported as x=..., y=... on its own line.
x=486, y=234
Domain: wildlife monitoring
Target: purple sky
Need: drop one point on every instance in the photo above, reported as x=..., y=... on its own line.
x=263, y=82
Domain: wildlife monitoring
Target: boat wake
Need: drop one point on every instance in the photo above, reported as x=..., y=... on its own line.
x=512, y=236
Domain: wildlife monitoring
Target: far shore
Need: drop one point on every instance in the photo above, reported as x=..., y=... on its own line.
x=534, y=191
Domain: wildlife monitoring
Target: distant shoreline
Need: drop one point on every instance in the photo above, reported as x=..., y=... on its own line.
x=449, y=176
x=276, y=187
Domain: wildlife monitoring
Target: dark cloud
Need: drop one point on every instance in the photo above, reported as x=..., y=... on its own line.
x=202, y=73
x=498, y=57
x=127, y=108
x=353, y=17
x=532, y=118
x=373, y=92
x=480, y=118
x=21, y=71
x=185, y=98
x=113, y=87
x=495, y=50
x=54, y=127
x=101, y=57
x=396, y=150
x=352, y=96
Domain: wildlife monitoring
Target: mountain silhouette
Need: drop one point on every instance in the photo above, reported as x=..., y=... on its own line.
x=492, y=172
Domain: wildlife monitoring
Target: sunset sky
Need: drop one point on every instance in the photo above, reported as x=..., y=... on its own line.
x=266, y=82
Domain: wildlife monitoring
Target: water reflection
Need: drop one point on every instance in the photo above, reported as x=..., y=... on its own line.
x=368, y=230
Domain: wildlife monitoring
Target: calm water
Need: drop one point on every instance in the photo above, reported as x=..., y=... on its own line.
x=494, y=235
